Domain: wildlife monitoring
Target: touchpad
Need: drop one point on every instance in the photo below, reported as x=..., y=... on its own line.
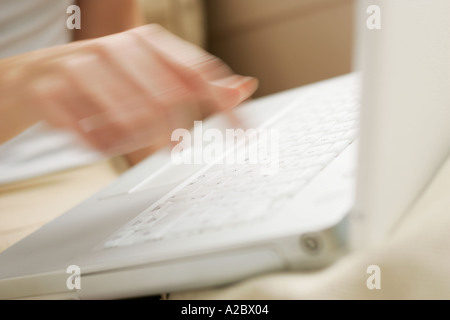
x=170, y=175
x=158, y=174
x=159, y=181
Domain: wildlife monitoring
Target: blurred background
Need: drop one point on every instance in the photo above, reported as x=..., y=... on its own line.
x=284, y=43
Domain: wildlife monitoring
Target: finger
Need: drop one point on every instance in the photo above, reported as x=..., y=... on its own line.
x=246, y=86
x=101, y=102
x=193, y=57
x=162, y=88
x=194, y=66
x=183, y=52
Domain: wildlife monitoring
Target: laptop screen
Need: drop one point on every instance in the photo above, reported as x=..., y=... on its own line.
x=403, y=52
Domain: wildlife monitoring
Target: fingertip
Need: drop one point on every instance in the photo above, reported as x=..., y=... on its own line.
x=245, y=85
x=235, y=89
x=248, y=87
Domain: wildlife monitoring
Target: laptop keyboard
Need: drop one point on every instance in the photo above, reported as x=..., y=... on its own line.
x=311, y=133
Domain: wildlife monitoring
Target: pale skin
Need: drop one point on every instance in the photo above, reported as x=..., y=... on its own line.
x=122, y=94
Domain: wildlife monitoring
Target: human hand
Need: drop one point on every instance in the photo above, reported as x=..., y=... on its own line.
x=126, y=91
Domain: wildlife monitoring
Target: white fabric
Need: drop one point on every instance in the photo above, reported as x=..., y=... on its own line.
x=27, y=25
x=41, y=150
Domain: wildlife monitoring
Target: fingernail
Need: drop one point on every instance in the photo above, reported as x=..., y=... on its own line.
x=248, y=87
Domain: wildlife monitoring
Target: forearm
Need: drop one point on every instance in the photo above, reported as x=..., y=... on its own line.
x=14, y=119
x=18, y=75
x=103, y=17
x=16, y=115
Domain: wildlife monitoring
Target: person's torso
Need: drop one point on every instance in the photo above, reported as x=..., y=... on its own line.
x=27, y=25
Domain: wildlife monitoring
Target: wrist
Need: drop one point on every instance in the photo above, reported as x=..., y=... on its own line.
x=16, y=113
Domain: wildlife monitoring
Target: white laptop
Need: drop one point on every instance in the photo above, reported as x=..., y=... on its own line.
x=334, y=177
